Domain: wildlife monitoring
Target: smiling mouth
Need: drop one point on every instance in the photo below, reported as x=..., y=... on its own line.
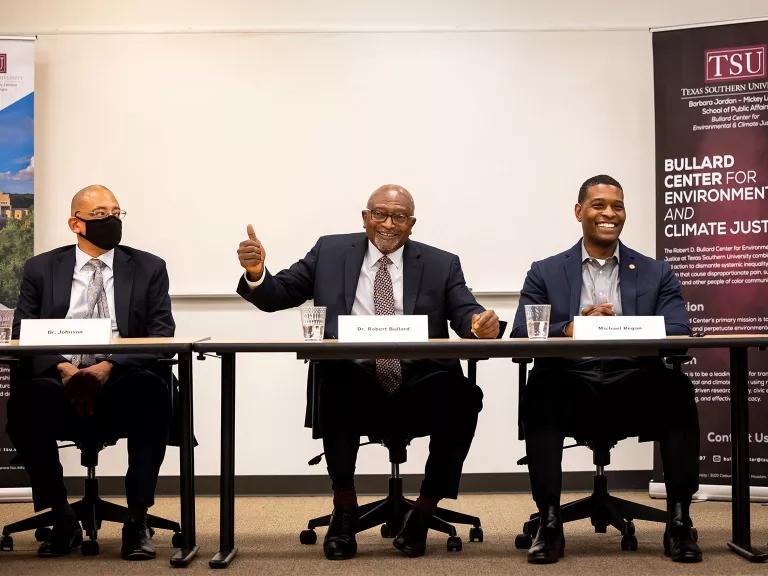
x=606, y=225
x=388, y=235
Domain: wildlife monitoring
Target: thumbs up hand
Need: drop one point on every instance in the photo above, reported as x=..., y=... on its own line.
x=252, y=255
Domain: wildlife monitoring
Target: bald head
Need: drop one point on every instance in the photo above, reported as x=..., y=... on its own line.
x=393, y=193
x=91, y=197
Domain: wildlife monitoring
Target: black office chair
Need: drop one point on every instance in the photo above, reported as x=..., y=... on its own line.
x=600, y=507
x=91, y=510
x=390, y=511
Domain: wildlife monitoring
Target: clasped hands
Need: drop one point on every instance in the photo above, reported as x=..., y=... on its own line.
x=83, y=384
x=605, y=309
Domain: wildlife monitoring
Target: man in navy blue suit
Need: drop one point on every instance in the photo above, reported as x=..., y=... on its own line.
x=600, y=276
x=381, y=271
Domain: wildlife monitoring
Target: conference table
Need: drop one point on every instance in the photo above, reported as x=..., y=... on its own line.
x=738, y=345
x=182, y=348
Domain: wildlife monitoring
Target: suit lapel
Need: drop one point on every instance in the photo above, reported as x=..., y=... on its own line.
x=352, y=264
x=573, y=274
x=627, y=281
x=63, y=271
x=412, y=269
x=123, y=287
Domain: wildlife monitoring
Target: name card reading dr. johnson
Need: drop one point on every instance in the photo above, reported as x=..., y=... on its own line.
x=619, y=328
x=41, y=332
x=362, y=328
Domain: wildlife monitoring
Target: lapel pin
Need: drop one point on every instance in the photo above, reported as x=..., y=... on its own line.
x=631, y=266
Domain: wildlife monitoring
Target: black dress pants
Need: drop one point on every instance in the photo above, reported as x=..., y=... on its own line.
x=442, y=404
x=133, y=404
x=610, y=399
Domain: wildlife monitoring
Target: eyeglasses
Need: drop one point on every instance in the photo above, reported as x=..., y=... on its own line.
x=101, y=213
x=380, y=216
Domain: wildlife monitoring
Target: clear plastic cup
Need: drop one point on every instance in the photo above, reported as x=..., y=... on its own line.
x=537, y=319
x=313, y=322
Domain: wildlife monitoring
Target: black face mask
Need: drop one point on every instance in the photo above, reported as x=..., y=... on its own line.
x=104, y=233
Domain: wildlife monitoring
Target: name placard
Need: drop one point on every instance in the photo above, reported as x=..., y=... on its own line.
x=619, y=327
x=396, y=328
x=65, y=331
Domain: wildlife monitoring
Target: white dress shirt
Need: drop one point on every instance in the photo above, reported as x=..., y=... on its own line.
x=364, y=293
x=78, y=300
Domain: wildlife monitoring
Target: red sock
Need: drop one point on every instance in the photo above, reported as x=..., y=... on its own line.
x=346, y=498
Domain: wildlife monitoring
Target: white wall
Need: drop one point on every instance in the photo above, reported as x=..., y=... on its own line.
x=270, y=396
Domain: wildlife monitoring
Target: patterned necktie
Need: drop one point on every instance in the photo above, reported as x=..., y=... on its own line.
x=388, y=370
x=96, y=302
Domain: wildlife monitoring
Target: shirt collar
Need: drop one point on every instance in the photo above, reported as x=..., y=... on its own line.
x=585, y=255
x=81, y=258
x=374, y=254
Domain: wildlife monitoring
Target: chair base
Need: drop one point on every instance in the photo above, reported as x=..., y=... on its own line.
x=91, y=511
x=389, y=513
x=603, y=510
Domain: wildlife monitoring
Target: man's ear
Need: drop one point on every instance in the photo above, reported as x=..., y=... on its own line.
x=577, y=211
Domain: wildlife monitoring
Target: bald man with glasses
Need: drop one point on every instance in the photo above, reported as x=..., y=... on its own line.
x=382, y=272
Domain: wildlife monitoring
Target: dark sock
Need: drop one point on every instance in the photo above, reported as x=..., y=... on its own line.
x=425, y=505
x=62, y=509
x=137, y=514
x=346, y=498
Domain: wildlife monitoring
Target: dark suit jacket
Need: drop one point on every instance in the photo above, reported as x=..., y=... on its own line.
x=142, y=304
x=648, y=288
x=433, y=284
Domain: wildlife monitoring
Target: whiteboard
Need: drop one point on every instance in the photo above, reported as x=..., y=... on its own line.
x=201, y=134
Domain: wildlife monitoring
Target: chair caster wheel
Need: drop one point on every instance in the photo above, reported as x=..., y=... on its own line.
x=629, y=543
x=6, y=543
x=308, y=536
x=386, y=532
x=476, y=534
x=42, y=534
x=523, y=541
x=454, y=544
x=177, y=540
x=89, y=548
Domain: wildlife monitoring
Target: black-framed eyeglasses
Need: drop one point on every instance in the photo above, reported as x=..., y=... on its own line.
x=101, y=213
x=398, y=218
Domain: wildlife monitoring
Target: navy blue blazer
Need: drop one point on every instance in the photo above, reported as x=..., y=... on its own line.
x=433, y=285
x=142, y=303
x=648, y=288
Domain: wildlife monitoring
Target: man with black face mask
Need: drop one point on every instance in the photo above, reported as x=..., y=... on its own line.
x=58, y=397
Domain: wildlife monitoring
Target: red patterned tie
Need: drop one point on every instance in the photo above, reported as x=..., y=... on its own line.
x=387, y=369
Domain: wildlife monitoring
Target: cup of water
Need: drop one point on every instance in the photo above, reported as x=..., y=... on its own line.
x=537, y=319
x=6, y=324
x=313, y=322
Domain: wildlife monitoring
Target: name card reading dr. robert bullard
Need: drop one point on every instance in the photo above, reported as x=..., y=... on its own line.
x=362, y=328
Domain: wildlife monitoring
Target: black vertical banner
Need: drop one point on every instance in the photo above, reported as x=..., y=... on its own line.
x=711, y=106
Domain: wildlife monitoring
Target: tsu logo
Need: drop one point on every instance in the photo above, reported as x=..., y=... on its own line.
x=729, y=64
x=3, y=63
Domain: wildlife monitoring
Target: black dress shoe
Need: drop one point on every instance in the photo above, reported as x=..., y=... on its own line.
x=137, y=541
x=679, y=537
x=65, y=536
x=412, y=539
x=549, y=545
x=340, y=543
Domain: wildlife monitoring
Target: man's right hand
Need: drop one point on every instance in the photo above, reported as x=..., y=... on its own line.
x=66, y=371
x=252, y=255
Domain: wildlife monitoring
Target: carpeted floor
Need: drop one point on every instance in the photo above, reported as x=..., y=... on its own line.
x=267, y=538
